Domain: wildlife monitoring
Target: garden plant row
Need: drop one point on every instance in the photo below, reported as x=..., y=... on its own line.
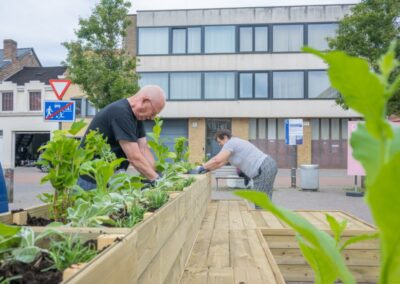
x=123, y=218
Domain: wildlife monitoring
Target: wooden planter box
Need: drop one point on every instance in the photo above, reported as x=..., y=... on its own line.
x=362, y=258
x=154, y=251
x=87, y=232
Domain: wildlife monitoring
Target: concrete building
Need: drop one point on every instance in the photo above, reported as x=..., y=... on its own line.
x=22, y=127
x=243, y=69
x=13, y=59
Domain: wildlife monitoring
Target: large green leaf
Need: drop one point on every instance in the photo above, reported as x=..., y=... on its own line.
x=9, y=236
x=77, y=126
x=26, y=254
x=383, y=197
x=316, y=239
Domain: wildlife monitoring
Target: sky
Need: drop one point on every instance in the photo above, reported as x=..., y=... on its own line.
x=45, y=24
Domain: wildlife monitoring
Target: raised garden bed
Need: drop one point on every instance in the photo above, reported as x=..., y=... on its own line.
x=155, y=250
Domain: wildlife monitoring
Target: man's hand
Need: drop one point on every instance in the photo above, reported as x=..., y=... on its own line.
x=151, y=183
x=198, y=170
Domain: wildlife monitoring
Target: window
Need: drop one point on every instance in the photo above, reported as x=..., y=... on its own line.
x=261, y=85
x=261, y=39
x=246, y=85
x=159, y=79
x=194, y=40
x=179, y=41
x=185, y=86
x=219, y=85
x=35, y=101
x=246, y=39
x=219, y=39
x=288, y=85
x=78, y=106
x=153, y=41
x=318, y=34
x=90, y=109
x=319, y=86
x=287, y=38
x=7, y=101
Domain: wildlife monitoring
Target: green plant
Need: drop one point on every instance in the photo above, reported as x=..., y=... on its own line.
x=69, y=250
x=157, y=144
x=376, y=144
x=181, y=150
x=101, y=171
x=155, y=198
x=9, y=237
x=96, y=144
x=63, y=158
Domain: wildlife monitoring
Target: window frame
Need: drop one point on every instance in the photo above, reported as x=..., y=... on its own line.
x=2, y=101
x=30, y=103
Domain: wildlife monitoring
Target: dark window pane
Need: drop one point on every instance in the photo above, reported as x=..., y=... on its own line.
x=194, y=40
x=7, y=101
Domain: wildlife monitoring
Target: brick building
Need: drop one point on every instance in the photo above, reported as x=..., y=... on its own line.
x=13, y=59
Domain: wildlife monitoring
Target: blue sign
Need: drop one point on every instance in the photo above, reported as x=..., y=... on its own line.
x=293, y=131
x=3, y=193
x=59, y=111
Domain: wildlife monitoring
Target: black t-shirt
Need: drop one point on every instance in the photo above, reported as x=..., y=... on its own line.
x=117, y=122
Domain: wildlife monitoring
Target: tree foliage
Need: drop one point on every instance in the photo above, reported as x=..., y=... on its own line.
x=367, y=32
x=96, y=60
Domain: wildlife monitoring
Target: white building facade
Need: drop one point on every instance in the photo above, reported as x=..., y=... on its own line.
x=22, y=126
x=243, y=69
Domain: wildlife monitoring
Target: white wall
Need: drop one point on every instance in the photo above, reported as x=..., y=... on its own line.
x=317, y=13
x=21, y=119
x=256, y=109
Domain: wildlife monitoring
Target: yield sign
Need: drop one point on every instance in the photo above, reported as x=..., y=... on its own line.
x=59, y=86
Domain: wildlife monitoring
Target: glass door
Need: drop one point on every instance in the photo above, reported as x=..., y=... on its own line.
x=212, y=125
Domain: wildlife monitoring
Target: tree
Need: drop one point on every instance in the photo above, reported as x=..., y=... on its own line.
x=96, y=60
x=368, y=32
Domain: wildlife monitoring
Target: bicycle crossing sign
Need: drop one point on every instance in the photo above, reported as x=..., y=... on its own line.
x=59, y=111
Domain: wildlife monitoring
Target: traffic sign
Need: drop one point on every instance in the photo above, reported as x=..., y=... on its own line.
x=59, y=87
x=294, y=131
x=59, y=111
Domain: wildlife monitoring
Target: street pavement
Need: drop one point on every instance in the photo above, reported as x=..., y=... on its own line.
x=333, y=185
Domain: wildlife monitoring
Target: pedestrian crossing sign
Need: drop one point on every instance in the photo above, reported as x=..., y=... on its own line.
x=63, y=111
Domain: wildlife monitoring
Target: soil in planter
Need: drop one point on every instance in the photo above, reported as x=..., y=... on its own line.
x=38, y=221
x=32, y=273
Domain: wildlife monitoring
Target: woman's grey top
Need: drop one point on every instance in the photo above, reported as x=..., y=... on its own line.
x=244, y=155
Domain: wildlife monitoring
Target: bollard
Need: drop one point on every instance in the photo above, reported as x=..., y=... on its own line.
x=9, y=179
x=293, y=177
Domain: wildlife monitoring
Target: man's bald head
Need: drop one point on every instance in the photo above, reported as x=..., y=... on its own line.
x=147, y=102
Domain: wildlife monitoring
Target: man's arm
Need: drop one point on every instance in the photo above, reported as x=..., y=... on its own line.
x=137, y=159
x=144, y=148
x=217, y=161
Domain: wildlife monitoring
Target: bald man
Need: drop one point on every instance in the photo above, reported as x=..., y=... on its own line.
x=121, y=122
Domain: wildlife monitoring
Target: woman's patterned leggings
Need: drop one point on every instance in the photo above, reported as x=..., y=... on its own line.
x=264, y=182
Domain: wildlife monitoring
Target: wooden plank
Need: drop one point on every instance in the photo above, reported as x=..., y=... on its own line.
x=248, y=220
x=240, y=252
x=261, y=260
x=218, y=253
x=272, y=263
x=359, y=224
x=311, y=217
x=6, y=218
x=305, y=273
x=220, y=276
x=271, y=220
x=121, y=257
x=194, y=276
x=198, y=257
x=249, y=274
x=222, y=218
x=258, y=219
x=352, y=257
x=235, y=218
